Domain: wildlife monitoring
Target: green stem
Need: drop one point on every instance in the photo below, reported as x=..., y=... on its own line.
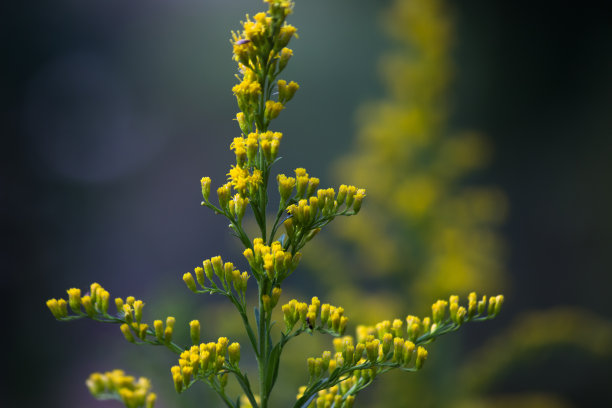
x=245, y=321
x=279, y=215
x=236, y=227
x=221, y=393
x=245, y=385
x=263, y=354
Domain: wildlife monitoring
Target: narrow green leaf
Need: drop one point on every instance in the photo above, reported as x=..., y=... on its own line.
x=272, y=369
x=256, y=312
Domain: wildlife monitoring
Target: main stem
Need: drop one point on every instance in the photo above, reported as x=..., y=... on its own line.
x=263, y=352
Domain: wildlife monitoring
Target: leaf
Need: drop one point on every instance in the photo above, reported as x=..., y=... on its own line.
x=304, y=402
x=256, y=311
x=272, y=369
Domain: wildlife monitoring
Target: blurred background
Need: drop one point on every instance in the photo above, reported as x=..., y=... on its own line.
x=480, y=129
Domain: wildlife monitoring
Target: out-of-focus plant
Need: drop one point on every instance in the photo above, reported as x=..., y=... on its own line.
x=334, y=378
x=430, y=228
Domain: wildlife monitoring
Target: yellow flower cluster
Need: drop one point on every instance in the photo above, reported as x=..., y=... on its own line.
x=271, y=261
x=96, y=302
x=246, y=148
x=383, y=346
x=378, y=350
x=205, y=361
x=306, y=185
x=226, y=273
x=248, y=91
x=259, y=39
x=261, y=52
x=133, y=393
x=132, y=314
x=325, y=203
x=418, y=330
x=334, y=396
x=242, y=180
x=286, y=91
x=164, y=335
x=331, y=318
x=129, y=312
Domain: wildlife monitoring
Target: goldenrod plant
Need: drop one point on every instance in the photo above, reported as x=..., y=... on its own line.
x=336, y=377
x=430, y=227
x=433, y=229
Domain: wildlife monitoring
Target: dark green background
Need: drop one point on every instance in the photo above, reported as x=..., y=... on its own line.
x=113, y=110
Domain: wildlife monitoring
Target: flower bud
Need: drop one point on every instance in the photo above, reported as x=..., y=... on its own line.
x=438, y=310
x=288, y=314
x=325, y=310
x=302, y=310
x=359, y=196
x=285, y=35
x=88, y=305
x=119, y=304
x=159, y=330
x=348, y=353
x=234, y=353
x=318, y=369
x=350, y=195
x=205, y=182
x=74, y=299
x=178, y=382
x=426, y=324
x=223, y=194
x=54, y=307
x=372, y=350
x=62, y=307
x=285, y=56
x=273, y=109
x=499, y=300
x=242, y=123
x=103, y=301
x=276, y=293
x=204, y=360
x=292, y=88
x=127, y=332
x=252, y=147
x=421, y=357
x=387, y=339
x=311, y=366
x=285, y=186
x=342, y=326
x=138, y=305
x=187, y=371
x=223, y=378
x=194, y=331
x=217, y=264
x=228, y=272
x=219, y=362
x=482, y=304
x=491, y=308
x=282, y=90
x=188, y=279
x=150, y=402
x=266, y=301
x=142, y=330
x=472, y=302
x=398, y=349
x=407, y=352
